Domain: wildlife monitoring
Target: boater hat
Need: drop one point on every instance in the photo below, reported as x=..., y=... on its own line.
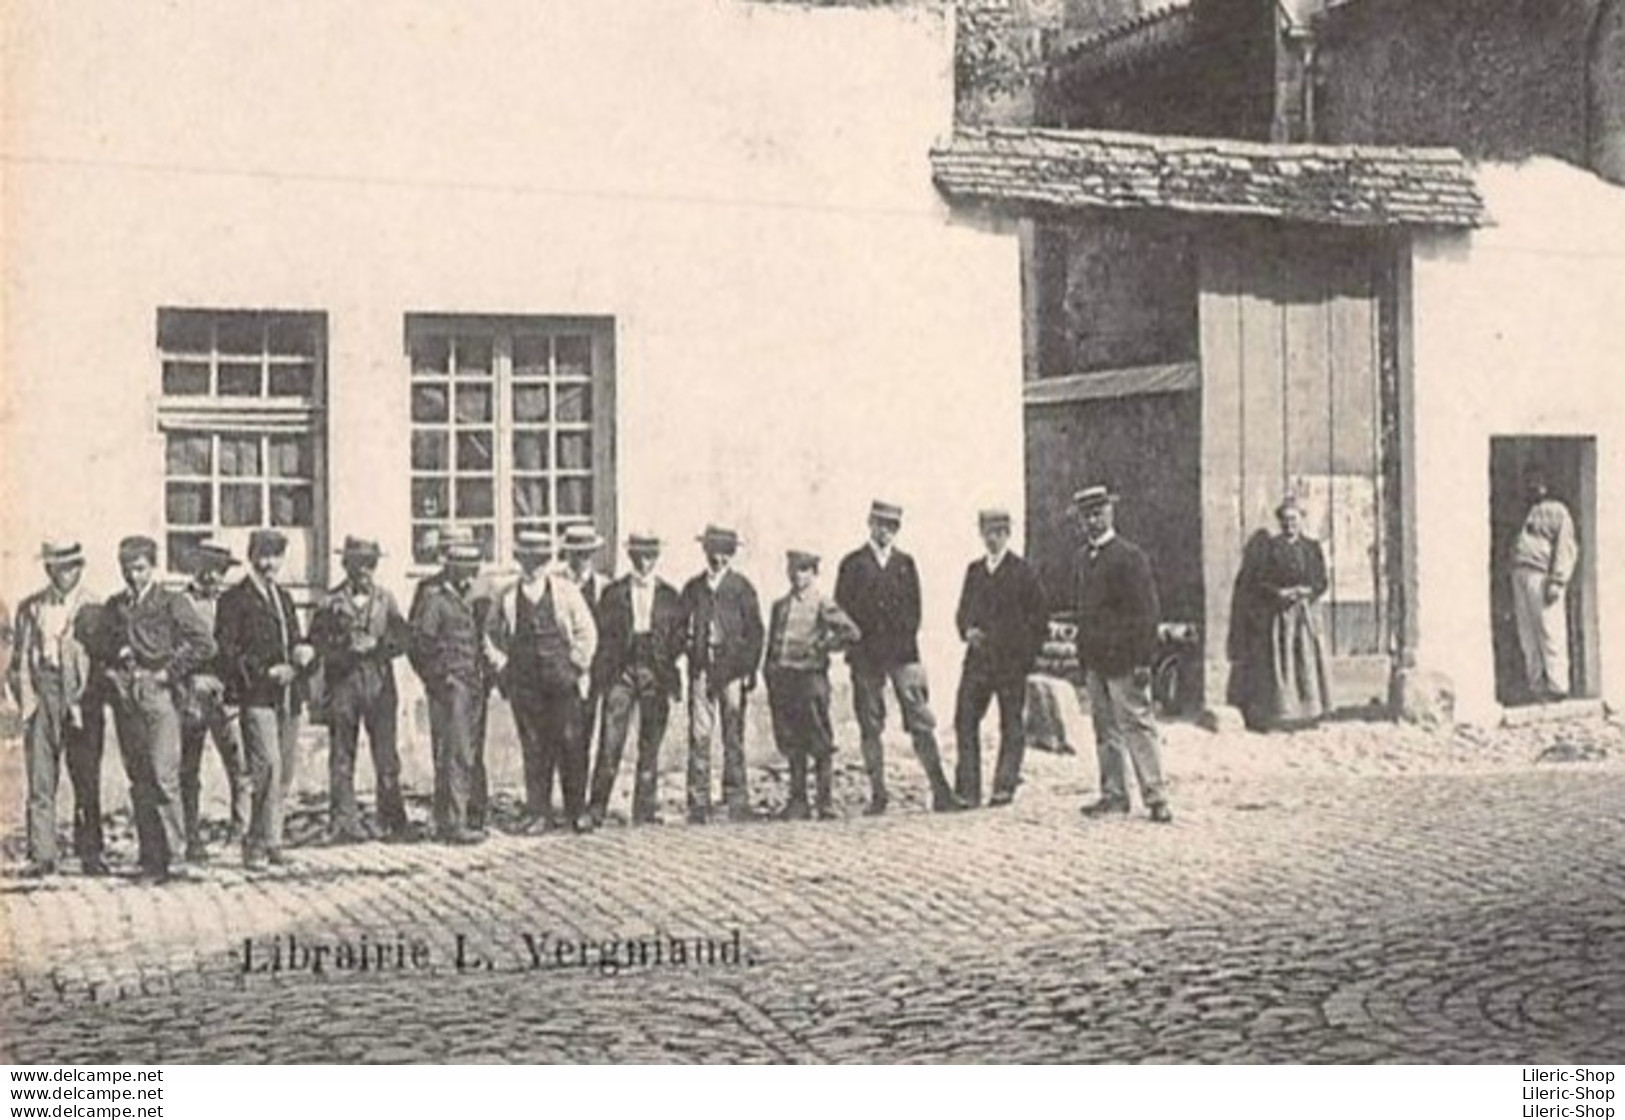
x=885, y=511
x=62, y=554
x=533, y=542
x=800, y=560
x=1093, y=497
x=994, y=519
x=212, y=556
x=581, y=538
x=642, y=542
x=458, y=546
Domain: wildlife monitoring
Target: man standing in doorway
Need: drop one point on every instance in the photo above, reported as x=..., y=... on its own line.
x=878, y=587
x=541, y=638
x=262, y=655
x=724, y=637
x=359, y=631
x=1003, y=619
x=1543, y=559
x=60, y=701
x=151, y=639
x=205, y=714
x=1117, y=615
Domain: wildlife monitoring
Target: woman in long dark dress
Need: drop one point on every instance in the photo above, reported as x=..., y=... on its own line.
x=1288, y=679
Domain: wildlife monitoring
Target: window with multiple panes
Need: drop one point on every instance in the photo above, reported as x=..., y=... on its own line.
x=240, y=414
x=511, y=427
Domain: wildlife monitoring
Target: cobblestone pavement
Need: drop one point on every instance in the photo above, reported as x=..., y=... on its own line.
x=1342, y=908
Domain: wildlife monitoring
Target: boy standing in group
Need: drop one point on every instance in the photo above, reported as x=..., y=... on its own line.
x=806, y=627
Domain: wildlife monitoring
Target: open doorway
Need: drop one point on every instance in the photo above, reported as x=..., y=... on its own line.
x=1569, y=465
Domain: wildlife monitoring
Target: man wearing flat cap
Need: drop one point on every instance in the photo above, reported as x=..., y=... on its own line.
x=358, y=632
x=61, y=701
x=805, y=627
x=878, y=586
x=723, y=640
x=205, y=714
x=447, y=651
x=1117, y=616
x=640, y=638
x=540, y=637
x=264, y=657
x=151, y=639
x=1003, y=619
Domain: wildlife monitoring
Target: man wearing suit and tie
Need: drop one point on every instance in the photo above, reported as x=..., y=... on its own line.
x=640, y=638
x=878, y=586
x=263, y=655
x=1003, y=619
x=723, y=639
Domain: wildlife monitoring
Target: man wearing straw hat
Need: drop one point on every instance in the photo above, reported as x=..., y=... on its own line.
x=1117, y=615
x=205, y=713
x=264, y=654
x=55, y=686
x=724, y=637
x=358, y=631
x=1003, y=619
x=640, y=638
x=446, y=650
x=151, y=640
x=541, y=638
x=878, y=586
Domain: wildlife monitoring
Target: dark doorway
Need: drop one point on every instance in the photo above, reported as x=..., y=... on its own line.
x=1570, y=467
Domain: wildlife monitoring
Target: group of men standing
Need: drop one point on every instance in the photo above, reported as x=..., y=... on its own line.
x=570, y=652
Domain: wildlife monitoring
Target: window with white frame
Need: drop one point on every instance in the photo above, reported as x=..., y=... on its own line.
x=241, y=416
x=512, y=427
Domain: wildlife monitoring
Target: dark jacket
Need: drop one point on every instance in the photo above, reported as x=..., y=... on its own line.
x=1287, y=563
x=339, y=622
x=251, y=644
x=885, y=603
x=447, y=641
x=1009, y=608
x=1117, y=609
x=738, y=614
x=666, y=635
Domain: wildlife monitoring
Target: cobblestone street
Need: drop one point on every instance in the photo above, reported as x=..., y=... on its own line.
x=1387, y=896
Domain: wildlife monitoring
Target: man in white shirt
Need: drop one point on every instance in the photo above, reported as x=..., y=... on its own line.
x=640, y=638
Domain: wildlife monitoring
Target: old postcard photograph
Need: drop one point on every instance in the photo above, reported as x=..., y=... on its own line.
x=814, y=531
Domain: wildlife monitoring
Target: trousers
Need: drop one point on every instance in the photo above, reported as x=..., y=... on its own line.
x=271, y=751
x=50, y=739
x=708, y=707
x=799, y=702
x=364, y=699
x=457, y=735
x=908, y=682
x=1543, y=633
x=638, y=691
x=1120, y=708
x=977, y=691
x=551, y=744
x=149, y=735
x=214, y=720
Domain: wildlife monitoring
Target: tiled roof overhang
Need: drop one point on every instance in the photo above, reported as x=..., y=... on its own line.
x=1036, y=170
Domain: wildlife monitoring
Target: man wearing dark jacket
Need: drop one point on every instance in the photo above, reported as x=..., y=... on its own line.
x=262, y=658
x=358, y=631
x=1003, y=620
x=879, y=589
x=150, y=640
x=640, y=638
x=723, y=638
x=1117, y=615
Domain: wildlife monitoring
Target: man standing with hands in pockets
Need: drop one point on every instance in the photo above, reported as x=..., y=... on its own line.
x=1117, y=614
